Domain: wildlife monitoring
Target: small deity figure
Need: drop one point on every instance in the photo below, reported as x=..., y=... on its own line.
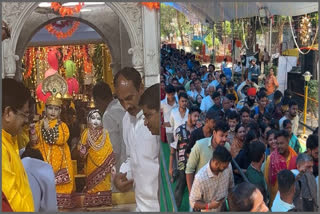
x=52, y=137
x=95, y=147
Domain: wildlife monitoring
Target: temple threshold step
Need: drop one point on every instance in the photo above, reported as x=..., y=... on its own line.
x=114, y=208
x=119, y=199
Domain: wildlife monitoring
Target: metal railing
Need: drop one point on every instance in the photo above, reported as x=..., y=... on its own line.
x=163, y=194
x=308, y=127
x=168, y=184
x=240, y=170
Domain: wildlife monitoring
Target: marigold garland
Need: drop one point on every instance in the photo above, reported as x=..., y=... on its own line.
x=151, y=5
x=30, y=63
x=66, y=11
x=87, y=64
x=69, y=54
x=62, y=35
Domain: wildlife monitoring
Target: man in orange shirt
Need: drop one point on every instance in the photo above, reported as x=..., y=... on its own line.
x=271, y=84
x=284, y=157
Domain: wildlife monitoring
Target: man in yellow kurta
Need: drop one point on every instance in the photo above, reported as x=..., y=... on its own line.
x=284, y=157
x=52, y=143
x=15, y=113
x=100, y=161
x=23, y=137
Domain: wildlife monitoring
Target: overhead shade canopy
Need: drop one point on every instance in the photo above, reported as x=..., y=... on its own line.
x=221, y=11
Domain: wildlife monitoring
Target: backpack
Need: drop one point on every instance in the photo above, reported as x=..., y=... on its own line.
x=305, y=198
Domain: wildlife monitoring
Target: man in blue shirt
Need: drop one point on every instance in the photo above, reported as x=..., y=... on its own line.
x=254, y=71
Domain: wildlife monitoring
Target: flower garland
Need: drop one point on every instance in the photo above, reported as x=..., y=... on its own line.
x=62, y=35
x=69, y=54
x=151, y=5
x=66, y=11
x=30, y=63
x=87, y=64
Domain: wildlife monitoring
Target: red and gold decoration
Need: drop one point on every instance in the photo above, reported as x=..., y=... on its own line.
x=73, y=62
x=29, y=62
x=151, y=5
x=66, y=11
x=60, y=34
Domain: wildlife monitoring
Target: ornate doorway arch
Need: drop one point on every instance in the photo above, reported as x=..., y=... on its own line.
x=16, y=14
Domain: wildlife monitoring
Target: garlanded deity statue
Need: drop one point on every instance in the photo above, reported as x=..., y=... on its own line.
x=96, y=149
x=52, y=140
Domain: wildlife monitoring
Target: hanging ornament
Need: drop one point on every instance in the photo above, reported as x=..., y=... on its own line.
x=151, y=5
x=29, y=63
x=62, y=35
x=305, y=27
x=66, y=11
x=40, y=95
x=70, y=67
x=73, y=86
x=87, y=63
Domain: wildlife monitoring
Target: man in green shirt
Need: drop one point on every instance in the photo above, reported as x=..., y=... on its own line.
x=254, y=174
x=201, y=152
x=193, y=76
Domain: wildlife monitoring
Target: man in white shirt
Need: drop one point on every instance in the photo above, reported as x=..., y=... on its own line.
x=210, y=78
x=113, y=114
x=179, y=115
x=216, y=80
x=191, y=92
x=180, y=77
x=207, y=102
x=150, y=105
x=141, y=169
x=167, y=104
x=284, y=200
x=198, y=90
x=292, y=116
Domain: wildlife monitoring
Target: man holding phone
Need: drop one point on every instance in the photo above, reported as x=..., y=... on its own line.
x=213, y=182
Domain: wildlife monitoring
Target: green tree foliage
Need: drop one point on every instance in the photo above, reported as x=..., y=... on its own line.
x=209, y=42
x=195, y=44
x=97, y=62
x=313, y=87
x=226, y=28
x=166, y=14
x=182, y=25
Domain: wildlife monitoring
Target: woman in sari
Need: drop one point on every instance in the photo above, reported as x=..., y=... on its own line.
x=52, y=140
x=271, y=142
x=238, y=140
x=294, y=143
x=96, y=148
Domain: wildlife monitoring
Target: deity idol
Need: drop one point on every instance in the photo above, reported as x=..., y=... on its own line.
x=97, y=151
x=52, y=142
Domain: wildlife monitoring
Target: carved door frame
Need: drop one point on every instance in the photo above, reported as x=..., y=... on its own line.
x=129, y=13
